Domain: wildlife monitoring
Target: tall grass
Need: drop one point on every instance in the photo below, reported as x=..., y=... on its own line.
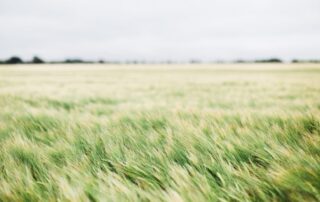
x=160, y=133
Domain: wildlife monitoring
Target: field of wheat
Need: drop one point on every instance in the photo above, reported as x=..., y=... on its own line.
x=160, y=132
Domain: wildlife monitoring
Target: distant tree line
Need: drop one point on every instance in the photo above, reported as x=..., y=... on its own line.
x=18, y=60
x=271, y=60
x=38, y=60
x=305, y=61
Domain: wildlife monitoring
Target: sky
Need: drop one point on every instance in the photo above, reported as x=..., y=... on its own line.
x=152, y=30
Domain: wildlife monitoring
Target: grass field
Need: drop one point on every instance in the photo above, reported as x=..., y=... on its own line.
x=160, y=133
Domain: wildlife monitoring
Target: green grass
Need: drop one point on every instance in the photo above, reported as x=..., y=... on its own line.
x=160, y=133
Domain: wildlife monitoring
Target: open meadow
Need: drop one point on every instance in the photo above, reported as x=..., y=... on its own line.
x=246, y=132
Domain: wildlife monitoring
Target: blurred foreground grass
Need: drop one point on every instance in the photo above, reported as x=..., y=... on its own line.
x=160, y=133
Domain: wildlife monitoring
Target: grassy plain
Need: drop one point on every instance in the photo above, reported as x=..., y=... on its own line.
x=160, y=133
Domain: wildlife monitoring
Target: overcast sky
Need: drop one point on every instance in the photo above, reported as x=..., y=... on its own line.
x=160, y=30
